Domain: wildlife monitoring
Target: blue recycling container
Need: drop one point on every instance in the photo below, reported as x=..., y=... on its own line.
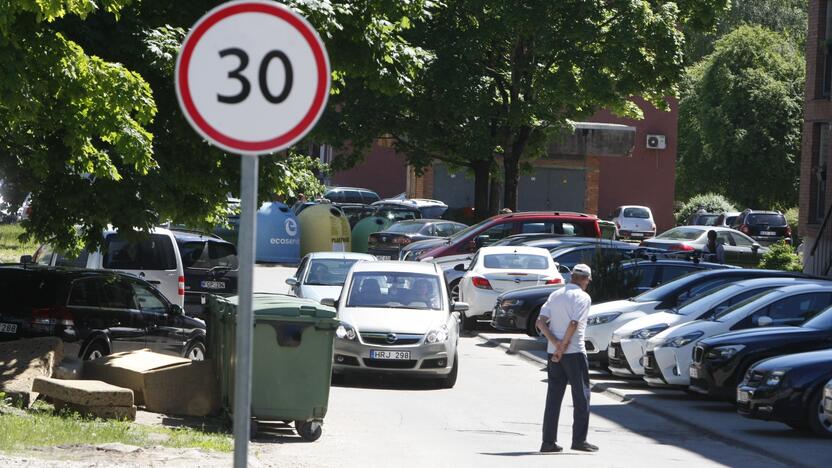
x=278, y=234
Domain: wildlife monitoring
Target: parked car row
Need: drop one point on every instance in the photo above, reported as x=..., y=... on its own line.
x=764, y=227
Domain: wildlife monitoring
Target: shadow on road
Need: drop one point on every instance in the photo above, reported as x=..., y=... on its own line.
x=384, y=382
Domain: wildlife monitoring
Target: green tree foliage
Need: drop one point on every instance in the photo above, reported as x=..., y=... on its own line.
x=740, y=121
x=502, y=78
x=781, y=256
x=789, y=17
x=710, y=202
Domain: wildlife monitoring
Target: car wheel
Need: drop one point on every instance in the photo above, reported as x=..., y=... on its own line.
x=196, y=352
x=531, y=325
x=455, y=291
x=309, y=431
x=95, y=350
x=819, y=423
x=450, y=380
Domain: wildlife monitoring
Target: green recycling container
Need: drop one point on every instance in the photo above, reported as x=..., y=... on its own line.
x=362, y=230
x=607, y=229
x=291, y=358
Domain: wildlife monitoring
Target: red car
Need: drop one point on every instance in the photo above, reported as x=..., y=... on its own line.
x=497, y=227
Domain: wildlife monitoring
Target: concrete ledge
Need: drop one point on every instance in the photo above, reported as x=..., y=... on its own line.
x=87, y=393
x=103, y=412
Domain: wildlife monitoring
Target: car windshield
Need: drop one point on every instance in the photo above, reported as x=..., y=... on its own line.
x=723, y=316
x=682, y=233
x=329, y=271
x=513, y=260
x=766, y=218
x=821, y=321
x=395, y=290
x=636, y=213
x=688, y=307
x=405, y=228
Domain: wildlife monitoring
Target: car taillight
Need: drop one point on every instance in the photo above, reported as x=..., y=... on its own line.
x=744, y=229
x=481, y=283
x=401, y=240
x=682, y=247
x=181, y=286
x=554, y=281
x=52, y=316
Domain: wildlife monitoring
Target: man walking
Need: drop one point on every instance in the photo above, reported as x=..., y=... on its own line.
x=563, y=321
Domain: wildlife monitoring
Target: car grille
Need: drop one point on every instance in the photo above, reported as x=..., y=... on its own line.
x=698, y=354
x=755, y=378
x=383, y=339
x=391, y=364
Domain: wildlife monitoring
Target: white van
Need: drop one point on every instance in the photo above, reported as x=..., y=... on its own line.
x=155, y=259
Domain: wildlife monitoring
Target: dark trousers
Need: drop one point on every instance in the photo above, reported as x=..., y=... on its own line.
x=572, y=369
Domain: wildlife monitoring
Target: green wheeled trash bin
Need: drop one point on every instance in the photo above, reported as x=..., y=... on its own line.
x=291, y=359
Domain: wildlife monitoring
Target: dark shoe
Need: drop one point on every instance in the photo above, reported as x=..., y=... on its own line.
x=550, y=447
x=584, y=447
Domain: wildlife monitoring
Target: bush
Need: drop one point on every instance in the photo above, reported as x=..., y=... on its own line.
x=793, y=217
x=711, y=202
x=781, y=256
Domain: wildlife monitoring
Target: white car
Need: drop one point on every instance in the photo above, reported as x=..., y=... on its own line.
x=629, y=342
x=322, y=274
x=397, y=318
x=155, y=259
x=495, y=270
x=670, y=353
x=634, y=222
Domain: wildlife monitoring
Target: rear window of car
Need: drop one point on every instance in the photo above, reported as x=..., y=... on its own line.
x=640, y=213
x=218, y=254
x=769, y=219
x=520, y=261
x=27, y=289
x=153, y=253
x=406, y=228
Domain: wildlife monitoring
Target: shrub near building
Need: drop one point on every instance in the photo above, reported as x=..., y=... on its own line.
x=781, y=256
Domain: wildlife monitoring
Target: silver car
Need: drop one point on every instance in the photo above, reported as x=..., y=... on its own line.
x=322, y=274
x=397, y=318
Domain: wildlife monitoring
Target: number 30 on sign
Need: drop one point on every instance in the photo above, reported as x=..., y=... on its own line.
x=252, y=77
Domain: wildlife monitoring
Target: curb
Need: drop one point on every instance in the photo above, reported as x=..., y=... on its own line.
x=620, y=396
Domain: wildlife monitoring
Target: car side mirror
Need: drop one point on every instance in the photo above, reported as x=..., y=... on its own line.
x=764, y=321
x=176, y=309
x=292, y=281
x=329, y=302
x=755, y=247
x=480, y=241
x=460, y=307
x=564, y=270
x=460, y=267
x=25, y=259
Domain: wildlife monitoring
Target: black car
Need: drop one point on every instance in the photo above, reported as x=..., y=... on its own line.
x=351, y=195
x=517, y=310
x=765, y=227
x=210, y=266
x=722, y=361
x=387, y=244
x=788, y=389
x=94, y=312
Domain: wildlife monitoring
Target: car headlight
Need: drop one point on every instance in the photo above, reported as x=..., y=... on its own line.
x=774, y=378
x=440, y=335
x=725, y=352
x=683, y=340
x=649, y=332
x=346, y=332
x=509, y=303
x=603, y=318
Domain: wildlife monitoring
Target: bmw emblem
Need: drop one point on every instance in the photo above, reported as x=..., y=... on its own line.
x=392, y=338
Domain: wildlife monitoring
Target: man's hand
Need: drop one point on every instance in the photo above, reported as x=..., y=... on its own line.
x=560, y=348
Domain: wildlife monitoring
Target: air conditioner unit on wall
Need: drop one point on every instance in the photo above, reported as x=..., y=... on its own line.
x=656, y=142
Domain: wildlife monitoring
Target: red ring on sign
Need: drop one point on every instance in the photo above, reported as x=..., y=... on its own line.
x=320, y=61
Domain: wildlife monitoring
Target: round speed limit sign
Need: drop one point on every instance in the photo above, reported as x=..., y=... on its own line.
x=252, y=77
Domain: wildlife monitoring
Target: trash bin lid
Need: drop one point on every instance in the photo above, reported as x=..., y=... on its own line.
x=280, y=305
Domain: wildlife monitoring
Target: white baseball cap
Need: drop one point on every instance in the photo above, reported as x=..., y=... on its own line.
x=583, y=270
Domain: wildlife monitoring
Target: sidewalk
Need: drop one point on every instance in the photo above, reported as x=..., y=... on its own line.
x=715, y=418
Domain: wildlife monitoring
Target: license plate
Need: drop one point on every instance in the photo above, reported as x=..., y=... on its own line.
x=383, y=257
x=212, y=284
x=768, y=233
x=694, y=372
x=637, y=234
x=743, y=396
x=8, y=328
x=394, y=355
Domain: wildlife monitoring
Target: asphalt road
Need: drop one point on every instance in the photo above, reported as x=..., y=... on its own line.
x=492, y=418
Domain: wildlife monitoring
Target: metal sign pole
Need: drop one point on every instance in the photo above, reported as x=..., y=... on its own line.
x=245, y=323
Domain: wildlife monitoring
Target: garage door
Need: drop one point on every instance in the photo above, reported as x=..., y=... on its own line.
x=455, y=189
x=552, y=190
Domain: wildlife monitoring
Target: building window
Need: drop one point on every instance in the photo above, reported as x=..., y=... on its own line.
x=817, y=184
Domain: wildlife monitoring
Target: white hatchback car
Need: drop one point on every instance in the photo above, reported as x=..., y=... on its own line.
x=669, y=354
x=495, y=270
x=634, y=222
x=630, y=341
x=322, y=274
x=397, y=318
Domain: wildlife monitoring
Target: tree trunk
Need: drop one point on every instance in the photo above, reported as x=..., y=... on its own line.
x=494, y=194
x=511, y=167
x=481, y=178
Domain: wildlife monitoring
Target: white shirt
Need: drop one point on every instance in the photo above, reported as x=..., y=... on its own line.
x=563, y=306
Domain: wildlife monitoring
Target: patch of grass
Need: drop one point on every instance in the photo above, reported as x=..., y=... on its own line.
x=10, y=246
x=41, y=427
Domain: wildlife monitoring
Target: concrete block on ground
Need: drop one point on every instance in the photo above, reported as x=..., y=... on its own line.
x=185, y=390
x=83, y=392
x=103, y=412
x=128, y=369
x=70, y=369
x=526, y=344
x=21, y=361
